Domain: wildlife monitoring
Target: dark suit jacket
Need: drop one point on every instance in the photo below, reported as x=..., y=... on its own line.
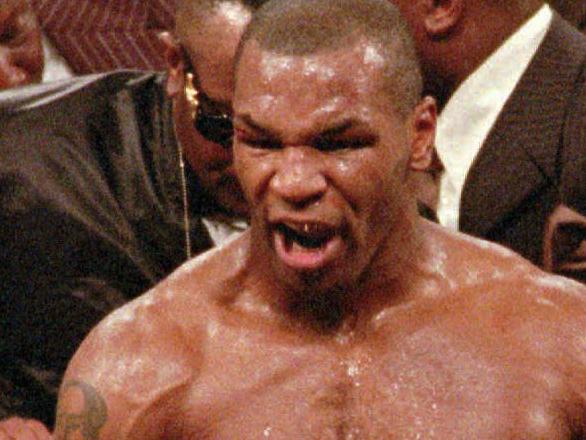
x=91, y=215
x=533, y=158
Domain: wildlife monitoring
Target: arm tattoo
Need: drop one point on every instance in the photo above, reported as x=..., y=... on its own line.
x=90, y=420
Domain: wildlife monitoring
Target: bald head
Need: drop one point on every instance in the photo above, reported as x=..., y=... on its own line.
x=306, y=27
x=190, y=14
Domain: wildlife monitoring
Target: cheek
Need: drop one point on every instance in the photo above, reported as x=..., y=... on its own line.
x=359, y=178
x=254, y=173
x=205, y=156
x=374, y=189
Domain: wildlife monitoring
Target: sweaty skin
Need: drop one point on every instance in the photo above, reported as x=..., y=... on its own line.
x=340, y=314
x=489, y=347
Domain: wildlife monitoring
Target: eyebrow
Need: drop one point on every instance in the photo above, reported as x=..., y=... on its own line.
x=247, y=119
x=340, y=127
x=333, y=130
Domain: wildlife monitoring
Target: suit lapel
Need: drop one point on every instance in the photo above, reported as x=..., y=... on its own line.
x=520, y=153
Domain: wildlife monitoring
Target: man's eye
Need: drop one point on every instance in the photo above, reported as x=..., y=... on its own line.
x=256, y=141
x=265, y=144
x=344, y=144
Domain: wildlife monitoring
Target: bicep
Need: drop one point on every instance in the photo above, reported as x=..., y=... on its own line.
x=82, y=411
x=89, y=411
x=116, y=386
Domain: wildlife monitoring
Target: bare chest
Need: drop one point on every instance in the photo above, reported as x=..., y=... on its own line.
x=252, y=390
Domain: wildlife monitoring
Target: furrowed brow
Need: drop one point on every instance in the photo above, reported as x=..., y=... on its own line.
x=255, y=126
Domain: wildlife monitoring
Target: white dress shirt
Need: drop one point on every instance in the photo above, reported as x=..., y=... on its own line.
x=56, y=67
x=224, y=231
x=467, y=118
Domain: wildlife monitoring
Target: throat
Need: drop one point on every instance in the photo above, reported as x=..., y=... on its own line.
x=324, y=313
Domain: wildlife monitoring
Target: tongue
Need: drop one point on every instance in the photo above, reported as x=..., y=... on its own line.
x=297, y=255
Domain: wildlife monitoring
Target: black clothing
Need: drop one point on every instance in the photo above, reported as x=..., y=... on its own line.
x=91, y=215
x=532, y=159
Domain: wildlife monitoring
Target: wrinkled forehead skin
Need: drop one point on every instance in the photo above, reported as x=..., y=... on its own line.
x=351, y=74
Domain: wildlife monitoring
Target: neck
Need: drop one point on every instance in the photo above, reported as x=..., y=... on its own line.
x=339, y=308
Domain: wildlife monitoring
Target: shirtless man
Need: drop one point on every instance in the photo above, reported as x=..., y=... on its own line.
x=340, y=314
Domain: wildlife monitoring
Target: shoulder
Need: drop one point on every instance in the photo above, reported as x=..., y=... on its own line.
x=57, y=137
x=45, y=95
x=540, y=317
x=483, y=266
x=565, y=42
x=521, y=307
x=135, y=367
x=60, y=119
x=130, y=373
x=465, y=260
x=66, y=109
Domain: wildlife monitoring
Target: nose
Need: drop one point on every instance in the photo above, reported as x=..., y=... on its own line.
x=299, y=179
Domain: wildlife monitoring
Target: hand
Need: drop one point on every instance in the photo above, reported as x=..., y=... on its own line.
x=16, y=428
x=564, y=250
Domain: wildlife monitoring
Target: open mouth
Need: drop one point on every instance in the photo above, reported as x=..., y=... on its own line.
x=307, y=235
x=307, y=246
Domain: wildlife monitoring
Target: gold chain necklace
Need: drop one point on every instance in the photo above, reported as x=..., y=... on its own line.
x=185, y=199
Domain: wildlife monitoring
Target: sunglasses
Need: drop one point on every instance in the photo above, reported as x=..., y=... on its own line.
x=212, y=124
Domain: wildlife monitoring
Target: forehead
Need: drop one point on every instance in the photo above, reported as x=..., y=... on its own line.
x=347, y=79
x=216, y=33
x=211, y=44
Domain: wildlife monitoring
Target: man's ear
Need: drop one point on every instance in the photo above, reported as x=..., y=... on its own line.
x=174, y=58
x=441, y=16
x=423, y=123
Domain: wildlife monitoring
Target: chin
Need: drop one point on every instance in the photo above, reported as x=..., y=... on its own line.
x=313, y=284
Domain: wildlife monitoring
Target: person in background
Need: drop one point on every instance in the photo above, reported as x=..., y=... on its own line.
x=21, y=53
x=56, y=66
x=509, y=77
x=107, y=183
x=340, y=313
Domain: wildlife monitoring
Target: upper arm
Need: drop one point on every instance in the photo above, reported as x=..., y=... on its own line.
x=127, y=380
x=82, y=410
x=564, y=314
